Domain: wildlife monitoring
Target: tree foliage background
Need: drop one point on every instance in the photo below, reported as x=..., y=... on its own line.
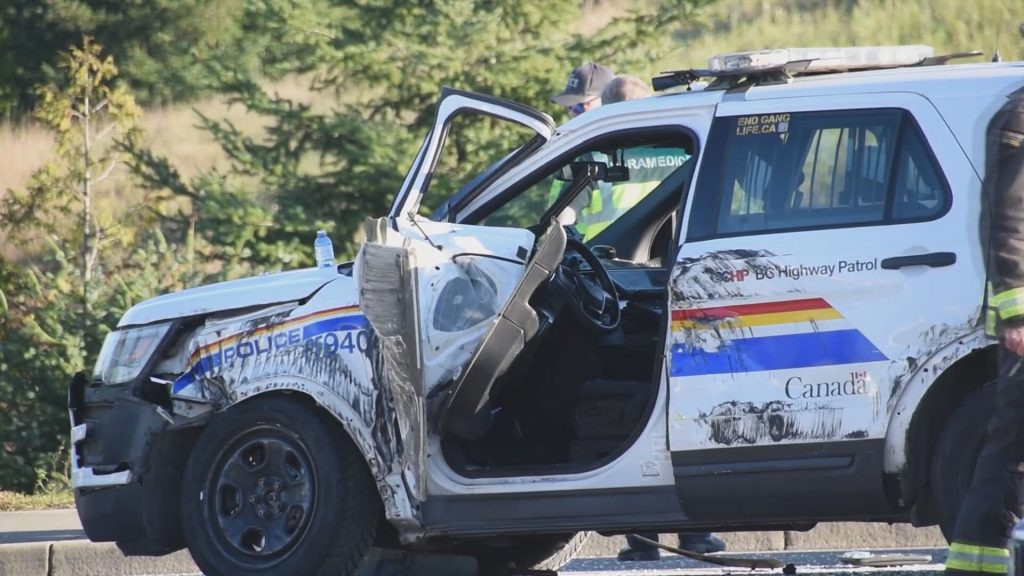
x=156, y=42
x=382, y=63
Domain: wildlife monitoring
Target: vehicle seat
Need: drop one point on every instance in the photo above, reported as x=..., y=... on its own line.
x=604, y=415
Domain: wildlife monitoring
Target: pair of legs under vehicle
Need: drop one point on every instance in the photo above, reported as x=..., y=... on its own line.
x=699, y=542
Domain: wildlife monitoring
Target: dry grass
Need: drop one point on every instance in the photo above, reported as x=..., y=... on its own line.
x=733, y=25
x=173, y=132
x=24, y=147
x=49, y=500
x=947, y=25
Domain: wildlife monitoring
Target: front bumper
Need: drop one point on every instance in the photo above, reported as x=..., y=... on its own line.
x=126, y=467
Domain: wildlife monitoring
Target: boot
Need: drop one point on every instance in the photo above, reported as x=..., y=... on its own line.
x=636, y=551
x=701, y=543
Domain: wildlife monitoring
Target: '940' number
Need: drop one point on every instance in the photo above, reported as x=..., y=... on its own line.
x=348, y=341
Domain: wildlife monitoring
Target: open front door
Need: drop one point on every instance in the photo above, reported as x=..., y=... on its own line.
x=433, y=290
x=454, y=103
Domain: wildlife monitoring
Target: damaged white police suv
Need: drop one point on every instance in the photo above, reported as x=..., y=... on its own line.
x=749, y=306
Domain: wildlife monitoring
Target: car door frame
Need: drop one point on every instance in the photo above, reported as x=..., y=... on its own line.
x=632, y=488
x=661, y=120
x=854, y=468
x=388, y=279
x=451, y=104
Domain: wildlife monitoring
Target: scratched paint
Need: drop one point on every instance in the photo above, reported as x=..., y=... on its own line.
x=710, y=276
x=936, y=345
x=327, y=353
x=745, y=423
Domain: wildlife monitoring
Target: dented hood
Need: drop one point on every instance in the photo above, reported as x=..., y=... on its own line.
x=262, y=290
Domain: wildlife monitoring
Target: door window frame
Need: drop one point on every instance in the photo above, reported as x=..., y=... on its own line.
x=452, y=104
x=544, y=170
x=703, y=221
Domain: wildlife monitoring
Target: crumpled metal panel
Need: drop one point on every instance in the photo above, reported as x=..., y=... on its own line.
x=387, y=295
x=323, y=349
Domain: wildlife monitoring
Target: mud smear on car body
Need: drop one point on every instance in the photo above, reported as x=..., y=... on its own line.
x=310, y=368
x=734, y=422
x=702, y=278
x=323, y=374
x=934, y=351
x=697, y=281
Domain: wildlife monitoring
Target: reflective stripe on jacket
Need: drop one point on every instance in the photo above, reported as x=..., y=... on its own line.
x=978, y=559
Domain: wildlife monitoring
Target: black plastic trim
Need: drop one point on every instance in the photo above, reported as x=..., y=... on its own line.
x=556, y=511
x=821, y=481
x=608, y=511
x=126, y=432
x=790, y=465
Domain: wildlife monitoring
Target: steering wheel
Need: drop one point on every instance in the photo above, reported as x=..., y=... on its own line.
x=594, y=299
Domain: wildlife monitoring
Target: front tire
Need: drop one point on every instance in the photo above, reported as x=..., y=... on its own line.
x=956, y=454
x=273, y=489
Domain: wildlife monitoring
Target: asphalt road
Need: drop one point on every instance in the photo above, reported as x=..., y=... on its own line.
x=821, y=563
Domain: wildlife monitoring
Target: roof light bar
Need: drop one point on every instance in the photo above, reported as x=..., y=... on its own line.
x=778, y=66
x=818, y=60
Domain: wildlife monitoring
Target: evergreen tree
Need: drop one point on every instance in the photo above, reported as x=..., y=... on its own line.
x=383, y=61
x=83, y=263
x=158, y=43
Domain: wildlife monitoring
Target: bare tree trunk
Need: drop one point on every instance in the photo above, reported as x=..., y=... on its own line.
x=86, y=212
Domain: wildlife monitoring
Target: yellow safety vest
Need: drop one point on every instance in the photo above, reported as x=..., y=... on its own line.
x=605, y=208
x=1002, y=307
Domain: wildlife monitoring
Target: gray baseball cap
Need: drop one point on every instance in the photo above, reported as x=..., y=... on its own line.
x=585, y=83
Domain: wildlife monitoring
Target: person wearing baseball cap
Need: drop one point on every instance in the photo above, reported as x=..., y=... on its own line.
x=583, y=88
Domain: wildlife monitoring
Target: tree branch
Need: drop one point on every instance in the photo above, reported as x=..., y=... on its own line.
x=327, y=35
x=103, y=133
x=106, y=173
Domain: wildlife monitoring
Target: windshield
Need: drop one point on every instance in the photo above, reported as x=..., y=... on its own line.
x=621, y=176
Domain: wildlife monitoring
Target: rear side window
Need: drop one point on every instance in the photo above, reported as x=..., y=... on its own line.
x=792, y=171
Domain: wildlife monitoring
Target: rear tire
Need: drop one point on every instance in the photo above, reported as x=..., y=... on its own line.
x=273, y=489
x=956, y=454
x=548, y=552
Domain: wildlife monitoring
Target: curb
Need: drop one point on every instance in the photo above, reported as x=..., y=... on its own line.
x=84, y=558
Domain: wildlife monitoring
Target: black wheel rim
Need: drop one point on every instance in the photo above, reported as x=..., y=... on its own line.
x=260, y=495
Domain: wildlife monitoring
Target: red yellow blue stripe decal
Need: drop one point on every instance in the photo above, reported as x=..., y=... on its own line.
x=805, y=344
x=316, y=329
x=204, y=350
x=761, y=314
